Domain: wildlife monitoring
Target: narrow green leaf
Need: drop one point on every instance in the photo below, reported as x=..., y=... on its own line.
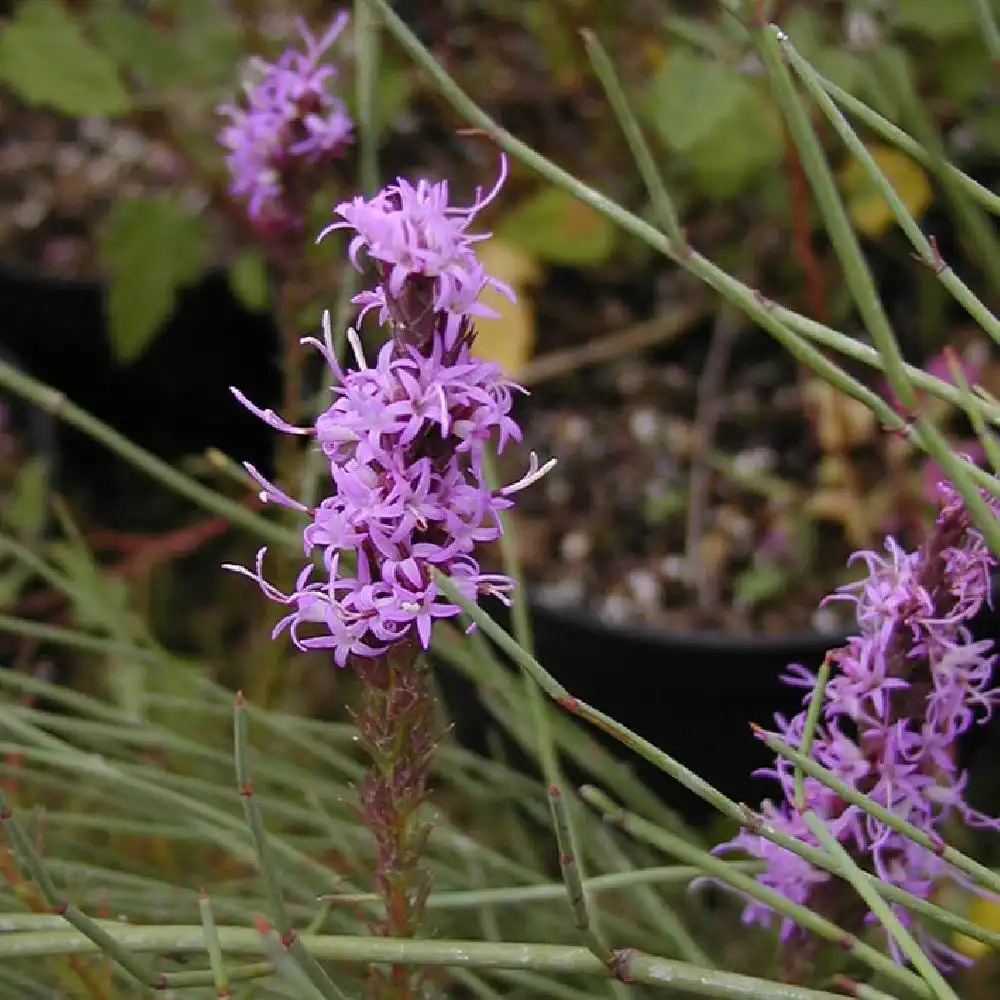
x=46, y=58
x=151, y=249
x=137, y=46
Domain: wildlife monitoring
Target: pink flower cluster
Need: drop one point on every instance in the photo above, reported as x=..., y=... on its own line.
x=903, y=690
x=411, y=233
x=405, y=440
x=288, y=117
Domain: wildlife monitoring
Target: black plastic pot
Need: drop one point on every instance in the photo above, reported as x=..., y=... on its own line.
x=35, y=436
x=174, y=400
x=693, y=694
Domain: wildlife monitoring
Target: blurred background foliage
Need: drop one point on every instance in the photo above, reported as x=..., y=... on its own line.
x=127, y=637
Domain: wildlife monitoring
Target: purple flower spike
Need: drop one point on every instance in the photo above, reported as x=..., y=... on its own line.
x=288, y=120
x=405, y=437
x=411, y=232
x=902, y=692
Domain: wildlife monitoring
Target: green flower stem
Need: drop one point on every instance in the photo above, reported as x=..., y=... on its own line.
x=926, y=250
x=715, y=868
x=288, y=967
x=663, y=204
x=474, y=899
x=979, y=873
x=356, y=950
x=572, y=878
x=838, y=227
x=659, y=915
x=852, y=874
x=216, y=961
x=57, y=405
x=859, y=279
x=587, y=926
x=689, y=779
x=764, y=313
x=367, y=45
x=988, y=409
x=991, y=447
x=472, y=656
x=290, y=938
x=978, y=232
x=988, y=26
x=894, y=135
x=96, y=934
x=862, y=991
x=809, y=729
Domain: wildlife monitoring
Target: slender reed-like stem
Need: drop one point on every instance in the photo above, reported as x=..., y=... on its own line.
x=988, y=26
x=290, y=938
x=471, y=899
x=684, y=776
x=812, y=721
x=277, y=951
x=893, y=134
x=356, y=950
x=925, y=248
x=587, y=926
x=217, y=963
x=57, y=405
x=714, y=868
x=979, y=873
x=851, y=873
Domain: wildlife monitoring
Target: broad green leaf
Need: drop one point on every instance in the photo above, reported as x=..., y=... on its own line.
x=936, y=18
x=963, y=70
x=745, y=145
x=841, y=67
x=151, y=249
x=691, y=97
x=556, y=228
x=138, y=46
x=715, y=118
x=697, y=32
x=46, y=58
x=248, y=280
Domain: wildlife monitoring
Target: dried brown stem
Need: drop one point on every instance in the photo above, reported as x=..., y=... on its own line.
x=661, y=329
x=707, y=412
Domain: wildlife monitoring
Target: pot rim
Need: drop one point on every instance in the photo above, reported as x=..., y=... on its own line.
x=694, y=639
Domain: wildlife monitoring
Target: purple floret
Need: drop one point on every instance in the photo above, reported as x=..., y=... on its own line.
x=902, y=691
x=288, y=116
x=406, y=440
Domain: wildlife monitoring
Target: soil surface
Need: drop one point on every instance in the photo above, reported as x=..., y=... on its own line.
x=706, y=484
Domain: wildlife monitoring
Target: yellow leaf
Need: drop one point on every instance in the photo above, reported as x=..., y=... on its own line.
x=868, y=210
x=508, y=340
x=986, y=913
